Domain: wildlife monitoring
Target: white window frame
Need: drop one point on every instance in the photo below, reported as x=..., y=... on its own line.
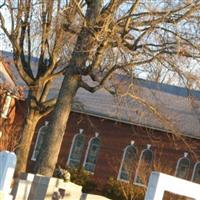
x=122, y=161
x=72, y=145
x=179, y=160
x=195, y=166
x=87, y=151
x=33, y=158
x=139, y=163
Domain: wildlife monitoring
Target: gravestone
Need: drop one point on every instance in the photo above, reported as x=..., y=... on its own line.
x=71, y=190
x=159, y=183
x=43, y=187
x=22, y=186
x=7, y=168
x=38, y=187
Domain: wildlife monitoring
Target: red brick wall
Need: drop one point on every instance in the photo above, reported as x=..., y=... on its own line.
x=11, y=126
x=116, y=136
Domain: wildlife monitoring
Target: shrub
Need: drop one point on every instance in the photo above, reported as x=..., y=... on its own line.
x=117, y=190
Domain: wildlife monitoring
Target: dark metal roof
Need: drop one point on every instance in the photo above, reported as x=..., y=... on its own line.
x=171, y=89
x=179, y=105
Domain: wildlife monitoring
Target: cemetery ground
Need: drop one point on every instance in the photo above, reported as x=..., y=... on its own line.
x=37, y=187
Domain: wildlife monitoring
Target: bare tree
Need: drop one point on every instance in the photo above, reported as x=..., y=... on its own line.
x=157, y=39
x=33, y=28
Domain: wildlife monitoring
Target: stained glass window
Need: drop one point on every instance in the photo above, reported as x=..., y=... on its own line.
x=183, y=167
x=127, y=163
x=76, y=150
x=39, y=141
x=144, y=167
x=196, y=173
x=92, y=153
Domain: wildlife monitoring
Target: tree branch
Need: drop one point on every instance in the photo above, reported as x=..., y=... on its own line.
x=47, y=106
x=45, y=91
x=57, y=74
x=93, y=89
x=79, y=9
x=2, y=20
x=131, y=11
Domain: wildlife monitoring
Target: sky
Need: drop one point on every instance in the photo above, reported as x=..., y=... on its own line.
x=6, y=46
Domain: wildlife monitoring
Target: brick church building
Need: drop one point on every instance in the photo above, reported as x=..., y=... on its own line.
x=123, y=136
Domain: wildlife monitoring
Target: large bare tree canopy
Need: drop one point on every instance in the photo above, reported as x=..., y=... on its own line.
x=152, y=39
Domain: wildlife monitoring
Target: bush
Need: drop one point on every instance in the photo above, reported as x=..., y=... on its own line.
x=117, y=190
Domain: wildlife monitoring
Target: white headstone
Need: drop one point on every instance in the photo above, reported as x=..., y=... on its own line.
x=71, y=191
x=43, y=187
x=5, y=196
x=159, y=183
x=22, y=186
x=7, y=168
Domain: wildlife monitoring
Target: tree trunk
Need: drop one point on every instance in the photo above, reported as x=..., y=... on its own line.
x=31, y=119
x=25, y=143
x=53, y=139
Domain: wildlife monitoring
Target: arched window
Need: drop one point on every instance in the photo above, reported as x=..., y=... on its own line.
x=183, y=167
x=127, y=163
x=92, y=153
x=196, y=173
x=39, y=141
x=144, y=167
x=76, y=150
